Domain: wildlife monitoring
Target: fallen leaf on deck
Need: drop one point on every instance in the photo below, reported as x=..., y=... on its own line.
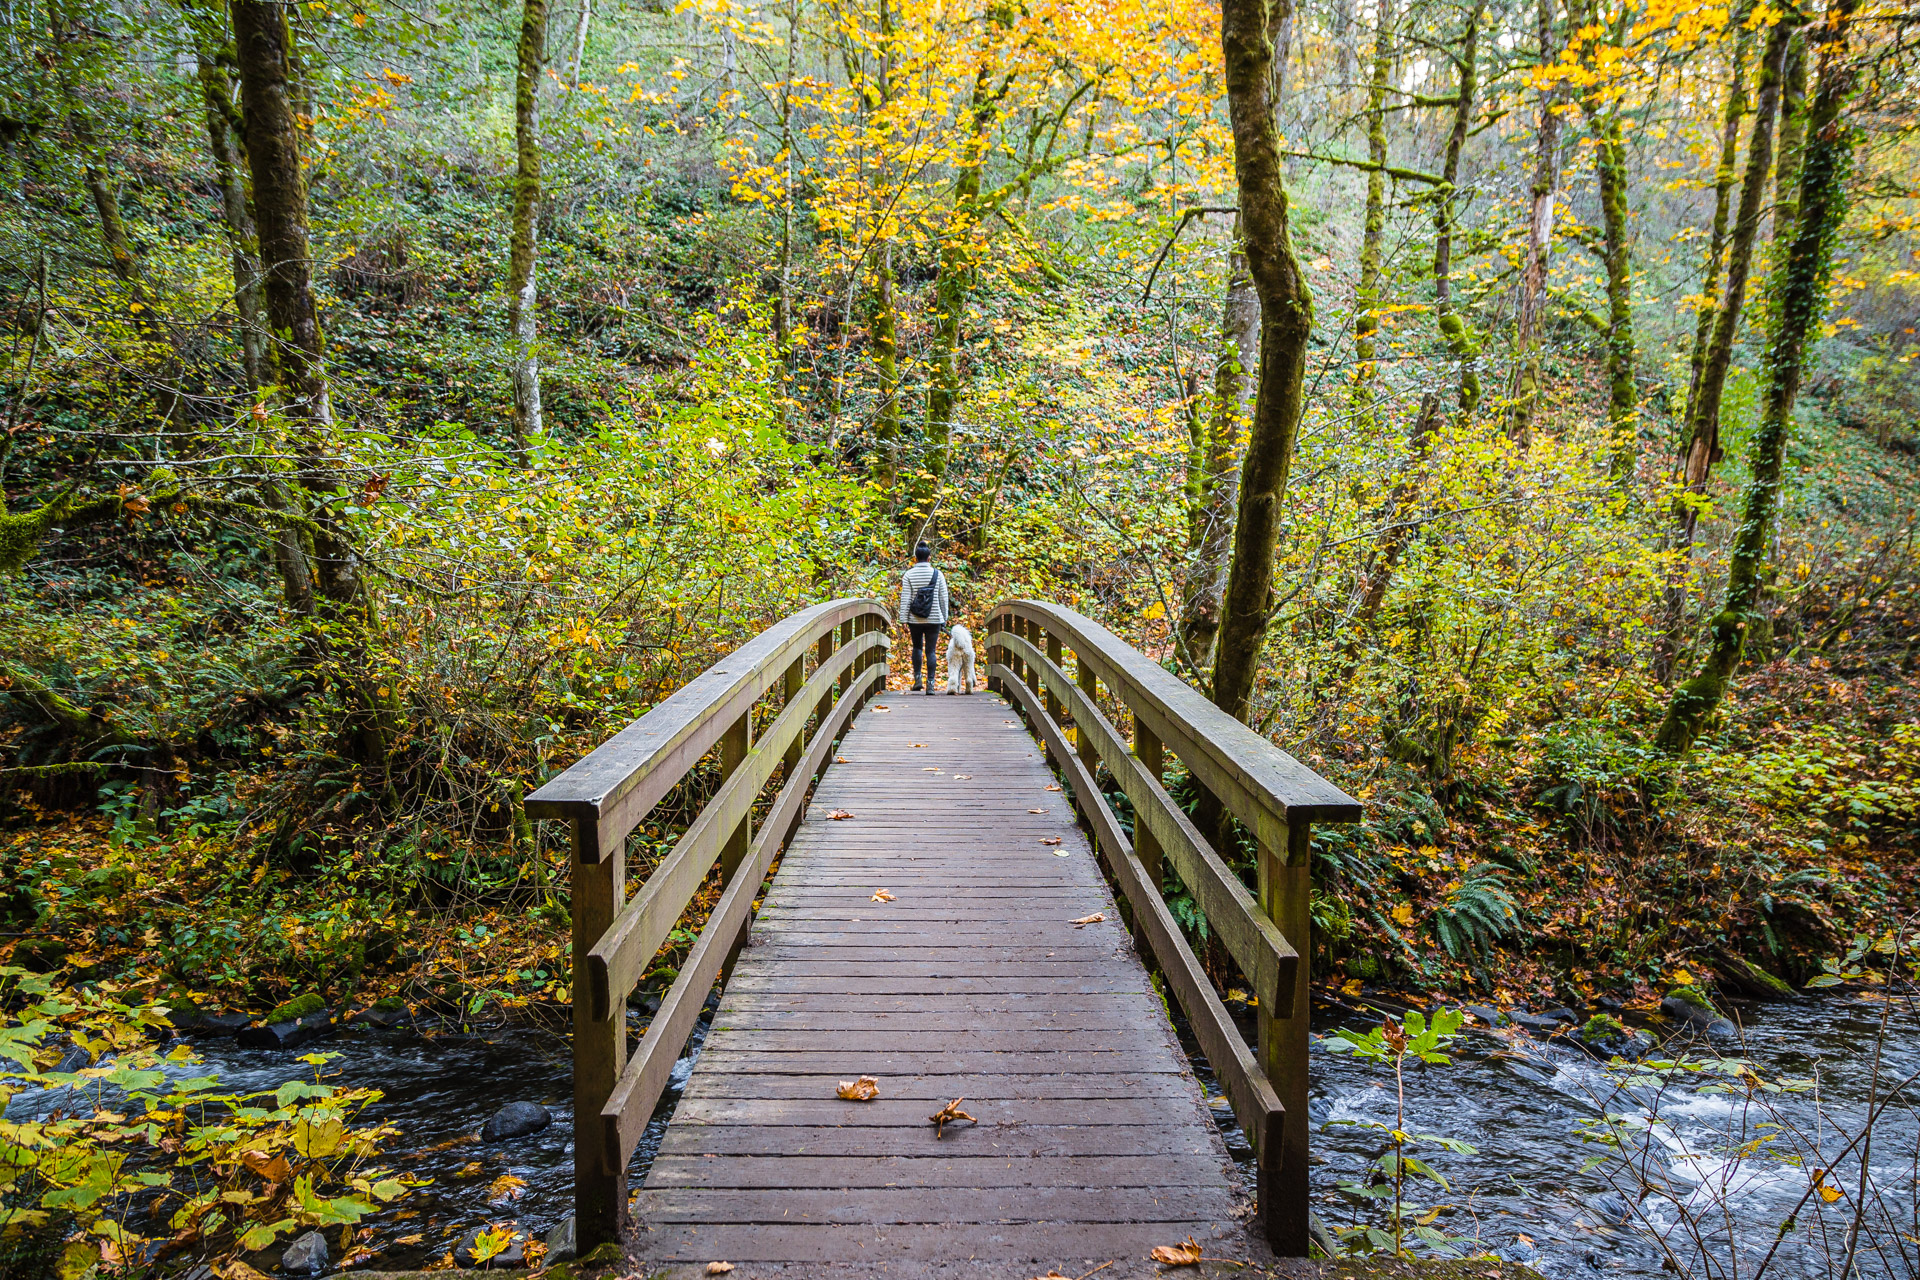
x=1098, y=917
x=1036, y=811
x=916, y=744
x=949, y=1114
x=1050, y=840
x=967, y=776
x=839, y=815
x=932, y=768
x=1053, y=786
x=881, y=895
x=841, y=760
x=505, y=1187
x=1177, y=1255
x=865, y=1089
x=719, y=1268
x=883, y=708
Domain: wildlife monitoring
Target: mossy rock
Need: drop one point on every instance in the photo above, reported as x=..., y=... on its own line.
x=1751, y=980
x=296, y=1008
x=389, y=1004
x=1694, y=1008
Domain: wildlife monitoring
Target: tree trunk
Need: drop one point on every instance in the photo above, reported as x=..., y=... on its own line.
x=1623, y=395
x=1533, y=273
x=1400, y=529
x=1367, y=293
x=783, y=296
x=883, y=326
x=1459, y=339
x=216, y=90
x=1233, y=410
x=1286, y=320
x=1703, y=424
x=522, y=321
x=1798, y=298
x=1793, y=135
x=580, y=43
x=1717, y=238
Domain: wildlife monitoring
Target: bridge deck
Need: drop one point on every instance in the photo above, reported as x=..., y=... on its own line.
x=1093, y=1142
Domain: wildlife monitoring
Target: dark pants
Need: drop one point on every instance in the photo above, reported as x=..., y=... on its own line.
x=926, y=636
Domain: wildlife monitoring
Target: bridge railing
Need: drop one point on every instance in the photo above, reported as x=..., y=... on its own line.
x=608, y=793
x=1275, y=797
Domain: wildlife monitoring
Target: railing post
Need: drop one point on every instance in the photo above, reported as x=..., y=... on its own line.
x=993, y=625
x=789, y=688
x=734, y=745
x=1286, y=889
x=1089, y=685
x=1053, y=654
x=599, y=1048
x=823, y=654
x=1147, y=749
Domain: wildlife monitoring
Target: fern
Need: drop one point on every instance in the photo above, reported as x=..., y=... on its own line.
x=1477, y=912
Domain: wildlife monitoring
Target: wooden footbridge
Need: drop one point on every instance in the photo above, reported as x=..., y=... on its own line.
x=944, y=920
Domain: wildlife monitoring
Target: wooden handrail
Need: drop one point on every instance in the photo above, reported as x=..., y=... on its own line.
x=609, y=792
x=1273, y=795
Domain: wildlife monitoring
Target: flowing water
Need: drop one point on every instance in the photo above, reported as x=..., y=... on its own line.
x=1516, y=1098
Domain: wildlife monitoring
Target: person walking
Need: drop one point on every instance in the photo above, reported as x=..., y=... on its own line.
x=924, y=608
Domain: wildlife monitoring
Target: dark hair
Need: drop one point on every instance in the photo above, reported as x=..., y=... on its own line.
x=921, y=551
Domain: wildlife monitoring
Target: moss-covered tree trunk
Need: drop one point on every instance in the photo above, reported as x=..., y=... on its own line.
x=1723, y=180
x=1247, y=31
x=1533, y=269
x=883, y=327
x=1703, y=421
x=216, y=94
x=1623, y=394
x=1793, y=135
x=1367, y=292
x=1797, y=296
x=523, y=252
x=1226, y=426
x=1461, y=345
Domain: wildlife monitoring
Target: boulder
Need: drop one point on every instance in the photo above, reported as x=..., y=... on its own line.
x=288, y=1034
x=306, y=1256
x=1690, y=1007
x=74, y=1059
x=562, y=1243
x=516, y=1120
x=514, y=1255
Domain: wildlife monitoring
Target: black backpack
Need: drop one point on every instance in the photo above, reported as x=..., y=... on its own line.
x=921, y=606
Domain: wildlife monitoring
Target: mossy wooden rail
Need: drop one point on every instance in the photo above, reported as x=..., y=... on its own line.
x=609, y=792
x=989, y=972
x=1274, y=796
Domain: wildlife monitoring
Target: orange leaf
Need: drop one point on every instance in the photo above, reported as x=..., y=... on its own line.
x=1177, y=1255
x=865, y=1089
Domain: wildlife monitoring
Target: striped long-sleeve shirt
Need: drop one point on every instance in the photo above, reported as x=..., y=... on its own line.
x=914, y=579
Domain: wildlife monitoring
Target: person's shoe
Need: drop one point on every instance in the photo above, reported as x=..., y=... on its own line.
x=930, y=691
x=915, y=688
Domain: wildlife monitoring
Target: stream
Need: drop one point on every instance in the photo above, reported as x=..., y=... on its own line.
x=1517, y=1098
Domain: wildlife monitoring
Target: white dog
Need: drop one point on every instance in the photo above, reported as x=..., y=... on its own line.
x=959, y=660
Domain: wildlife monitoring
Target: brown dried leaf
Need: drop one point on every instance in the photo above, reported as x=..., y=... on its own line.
x=881, y=895
x=1036, y=811
x=839, y=815
x=1097, y=917
x=415, y=1238
x=272, y=1169
x=1177, y=1255
x=1053, y=786
x=865, y=1089
x=949, y=1114
x=916, y=744
x=472, y=1169
x=237, y=1270
x=1050, y=840
x=719, y=1268
x=841, y=760
x=505, y=1187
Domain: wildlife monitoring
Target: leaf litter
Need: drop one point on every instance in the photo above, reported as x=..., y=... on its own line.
x=880, y=895
x=1098, y=917
x=839, y=815
x=1177, y=1255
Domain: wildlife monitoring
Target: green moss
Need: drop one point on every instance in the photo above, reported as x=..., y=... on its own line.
x=297, y=1008
x=389, y=1004
x=1691, y=995
x=1601, y=1026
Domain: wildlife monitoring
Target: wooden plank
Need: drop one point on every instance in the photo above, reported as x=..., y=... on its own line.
x=1255, y=1101
x=1163, y=1203
x=1264, y=955
x=615, y=961
x=797, y=1172
x=630, y=1102
x=1090, y=1120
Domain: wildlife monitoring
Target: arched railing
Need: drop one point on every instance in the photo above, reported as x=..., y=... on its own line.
x=1274, y=796
x=608, y=793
